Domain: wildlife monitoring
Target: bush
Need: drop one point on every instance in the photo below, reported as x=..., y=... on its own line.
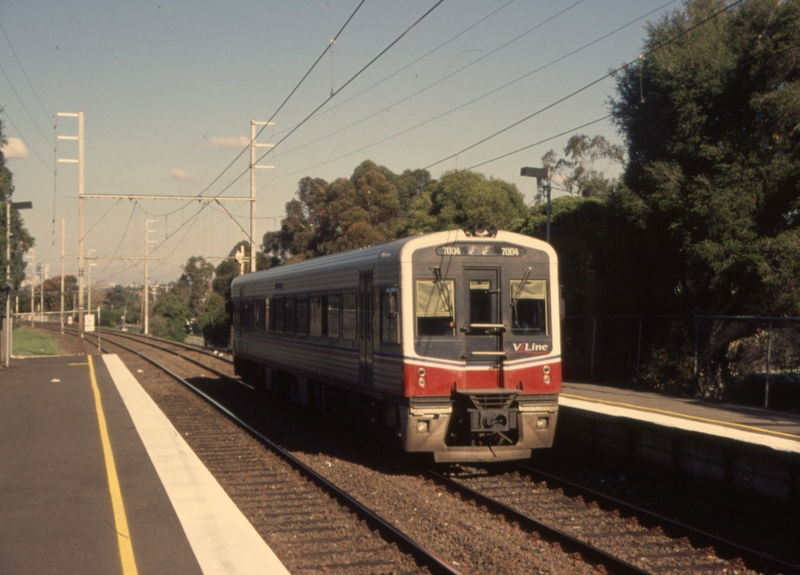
x=167, y=328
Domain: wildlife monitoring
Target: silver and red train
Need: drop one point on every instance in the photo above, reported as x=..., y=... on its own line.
x=451, y=340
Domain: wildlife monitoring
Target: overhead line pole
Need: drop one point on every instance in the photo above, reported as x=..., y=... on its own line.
x=253, y=168
x=80, y=162
x=62, y=274
x=33, y=287
x=146, y=294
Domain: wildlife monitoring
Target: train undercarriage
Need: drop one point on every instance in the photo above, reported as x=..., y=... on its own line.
x=478, y=426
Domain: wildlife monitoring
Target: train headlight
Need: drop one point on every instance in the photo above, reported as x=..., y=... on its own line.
x=546, y=369
x=547, y=379
x=421, y=382
x=421, y=372
x=422, y=426
x=542, y=423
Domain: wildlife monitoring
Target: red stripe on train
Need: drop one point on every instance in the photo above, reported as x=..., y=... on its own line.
x=442, y=381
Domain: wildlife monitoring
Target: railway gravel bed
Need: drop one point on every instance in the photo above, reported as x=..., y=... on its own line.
x=470, y=539
x=308, y=530
x=649, y=549
x=313, y=533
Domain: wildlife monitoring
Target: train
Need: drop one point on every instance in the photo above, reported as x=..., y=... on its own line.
x=449, y=341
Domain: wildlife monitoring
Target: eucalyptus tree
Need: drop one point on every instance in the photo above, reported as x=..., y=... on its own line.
x=710, y=115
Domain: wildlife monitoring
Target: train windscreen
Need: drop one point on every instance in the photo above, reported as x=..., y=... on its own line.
x=434, y=308
x=528, y=307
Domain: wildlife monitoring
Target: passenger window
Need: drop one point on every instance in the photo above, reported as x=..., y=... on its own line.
x=247, y=319
x=315, y=316
x=260, y=308
x=302, y=316
x=390, y=316
x=528, y=307
x=289, y=314
x=334, y=315
x=349, y=315
x=434, y=308
x=278, y=315
x=267, y=324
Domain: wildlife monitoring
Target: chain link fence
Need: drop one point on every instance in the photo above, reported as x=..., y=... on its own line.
x=742, y=360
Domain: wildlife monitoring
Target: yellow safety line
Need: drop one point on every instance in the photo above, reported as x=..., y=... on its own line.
x=120, y=520
x=684, y=416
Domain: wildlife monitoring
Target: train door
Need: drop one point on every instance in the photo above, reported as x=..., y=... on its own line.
x=366, y=335
x=484, y=329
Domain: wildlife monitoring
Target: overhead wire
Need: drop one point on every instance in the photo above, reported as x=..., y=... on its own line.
x=46, y=113
x=515, y=123
x=24, y=140
x=216, y=179
x=349, y=81
x=275, y=113
x=442, y=79
x=396, y=72
x=470, y=102
x=587, y=86
x=651, y=99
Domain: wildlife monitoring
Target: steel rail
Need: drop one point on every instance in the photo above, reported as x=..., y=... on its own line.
x=141, y=337
x=587, y=552
x=420, y=554
x=145, y=340
x=754, y=560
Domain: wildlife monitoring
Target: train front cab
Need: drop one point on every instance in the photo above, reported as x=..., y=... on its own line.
x=483, y=375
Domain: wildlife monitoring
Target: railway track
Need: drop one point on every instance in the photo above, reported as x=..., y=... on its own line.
x=285, y=499
x=621, y=537
x=585, y=530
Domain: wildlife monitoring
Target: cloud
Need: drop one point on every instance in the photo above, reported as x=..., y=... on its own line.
x=15, y=148
x=183, y=175
x=221, y=142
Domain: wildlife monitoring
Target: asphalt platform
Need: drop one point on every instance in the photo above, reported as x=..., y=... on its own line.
x=94, y=479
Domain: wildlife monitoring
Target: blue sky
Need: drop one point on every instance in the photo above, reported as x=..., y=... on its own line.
x=168, y=90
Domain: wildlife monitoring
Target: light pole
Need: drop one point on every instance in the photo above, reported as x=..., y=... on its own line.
x=89, y=291
x=33, y=286
x=89, y=294
x=539, y=174
x=16, y=206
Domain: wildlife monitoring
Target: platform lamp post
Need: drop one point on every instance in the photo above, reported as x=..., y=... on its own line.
x=16, y=206
x=541, y=174
x=89, y=291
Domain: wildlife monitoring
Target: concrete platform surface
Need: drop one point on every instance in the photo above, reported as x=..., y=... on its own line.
x=778, y=430
x=94, y=479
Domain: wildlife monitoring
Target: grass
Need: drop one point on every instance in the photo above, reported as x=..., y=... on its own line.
x=27, y=342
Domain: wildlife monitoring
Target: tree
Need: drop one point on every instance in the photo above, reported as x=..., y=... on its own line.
x=21, y=240
x=215, y=322
x=52, y=293
x=463, y=199
x=576, y=171
x=125, y=302
x=194, y=283
x=169, y=318
x=715, y=153
x=345, y=214
x=711, y=120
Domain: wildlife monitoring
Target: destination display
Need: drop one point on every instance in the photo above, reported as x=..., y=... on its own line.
x=481, y=250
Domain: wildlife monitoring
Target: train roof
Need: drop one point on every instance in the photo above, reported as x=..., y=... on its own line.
x=390, y=253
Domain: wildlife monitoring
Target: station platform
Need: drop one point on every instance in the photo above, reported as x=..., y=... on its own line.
x=763, y=427
x=94, y=479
